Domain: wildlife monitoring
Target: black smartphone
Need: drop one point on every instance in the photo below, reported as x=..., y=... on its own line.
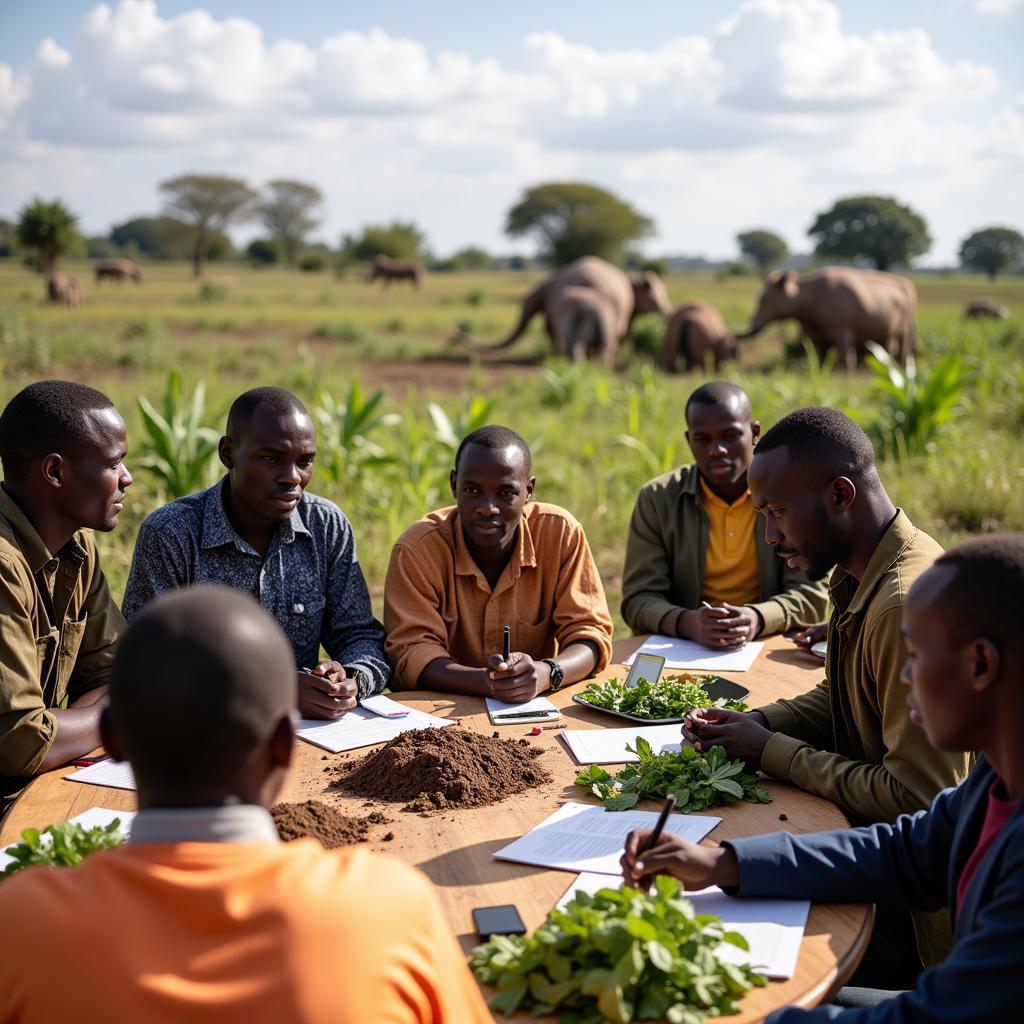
x=503, y=920
x=719, y=687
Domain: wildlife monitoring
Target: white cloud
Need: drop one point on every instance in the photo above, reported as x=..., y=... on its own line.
x=776, y=106
x=995, y=6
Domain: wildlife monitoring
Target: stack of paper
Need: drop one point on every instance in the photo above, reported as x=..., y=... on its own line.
x=539, y=705
x=687, y=655
x=361, y=728
x=87, y=819
x=773, y=928
x=581, y=837
x=608, y=746
x=115, y=774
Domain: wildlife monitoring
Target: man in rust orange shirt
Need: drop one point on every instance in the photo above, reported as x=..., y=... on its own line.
x=461, y=574
x=204, y=915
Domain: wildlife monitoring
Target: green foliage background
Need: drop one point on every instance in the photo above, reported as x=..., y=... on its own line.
x=597, y=437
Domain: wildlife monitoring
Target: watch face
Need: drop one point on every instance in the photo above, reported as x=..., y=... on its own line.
x=557, y=675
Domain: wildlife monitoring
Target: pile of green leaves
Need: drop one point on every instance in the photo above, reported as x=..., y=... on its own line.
x=69, y=844
x=671, y=697
x=618, y=955
x=697, y=780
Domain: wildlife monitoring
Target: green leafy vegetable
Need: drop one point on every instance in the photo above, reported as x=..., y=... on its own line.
x=698, y=781
x=671, y=697
x=69, y=844
x=618, y=955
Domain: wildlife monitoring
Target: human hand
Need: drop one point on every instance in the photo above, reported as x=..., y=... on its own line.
x=326, y=691
x=517, y=680
x=741, y=733
x=807, y=638
x=695, y=866
x=720, y=627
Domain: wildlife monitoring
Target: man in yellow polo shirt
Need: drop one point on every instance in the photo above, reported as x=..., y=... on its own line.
x=697, y=566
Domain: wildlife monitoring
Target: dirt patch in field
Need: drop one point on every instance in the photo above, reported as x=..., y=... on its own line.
x=321, y=821
x=438, y=769
x=447, y=375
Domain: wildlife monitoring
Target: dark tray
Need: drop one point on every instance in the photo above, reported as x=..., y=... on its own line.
x=718, y=688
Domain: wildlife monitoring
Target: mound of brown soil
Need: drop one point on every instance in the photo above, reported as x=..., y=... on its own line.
x=321, y=821
x=443, y=768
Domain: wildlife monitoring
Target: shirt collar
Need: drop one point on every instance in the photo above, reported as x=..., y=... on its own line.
x=523, y=554
x=238, y=823
x=709, y=495
x=896, y=539
x=217, y=528
x=32, y=547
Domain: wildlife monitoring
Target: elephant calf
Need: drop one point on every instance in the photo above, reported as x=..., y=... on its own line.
x=64, y=288
x=582, y=324
x=986, y=308
x=698, y=334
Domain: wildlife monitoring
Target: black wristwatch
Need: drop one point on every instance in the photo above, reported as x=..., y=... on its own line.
x=557, y=675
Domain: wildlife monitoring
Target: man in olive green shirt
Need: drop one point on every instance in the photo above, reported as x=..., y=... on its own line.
x=62, y=446
x=850, y=739
x=694, y=540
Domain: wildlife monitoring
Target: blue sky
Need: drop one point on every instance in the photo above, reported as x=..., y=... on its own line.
x=710, y=115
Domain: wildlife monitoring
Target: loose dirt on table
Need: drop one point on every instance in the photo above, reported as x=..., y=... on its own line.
x=321, y=821
x=439, y=769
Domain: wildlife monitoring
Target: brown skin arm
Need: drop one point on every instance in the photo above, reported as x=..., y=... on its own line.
x=743, y=734
x=720, y=628
x=696, y=867
x=327, y=692
x=78, y=729
x=517, y=681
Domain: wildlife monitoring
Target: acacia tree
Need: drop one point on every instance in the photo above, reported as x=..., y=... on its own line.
x=208, y=203
x=398, y=240
x=289, y=213
x=48, y=231
x=993, y=250
x=877, y=228
x=765, y=249
x=574, y=220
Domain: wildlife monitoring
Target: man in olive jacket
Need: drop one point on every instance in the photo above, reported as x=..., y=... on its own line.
x=694, y=540
x=851, y=739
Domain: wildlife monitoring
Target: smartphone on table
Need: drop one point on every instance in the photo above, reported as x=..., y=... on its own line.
x=645, y=666
x=500, y=920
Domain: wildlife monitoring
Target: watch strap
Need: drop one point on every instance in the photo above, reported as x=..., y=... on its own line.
x=557, y=674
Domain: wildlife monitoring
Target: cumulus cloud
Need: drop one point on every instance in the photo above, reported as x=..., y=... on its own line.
x=995, y=6
x=779, y=86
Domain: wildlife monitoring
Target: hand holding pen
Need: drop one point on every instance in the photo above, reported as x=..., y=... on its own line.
x=512, y=676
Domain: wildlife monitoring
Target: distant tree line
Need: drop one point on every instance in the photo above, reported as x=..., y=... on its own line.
x=567, y=219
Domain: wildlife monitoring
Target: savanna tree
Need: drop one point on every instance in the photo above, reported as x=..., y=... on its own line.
x=993, y=250
x=765, y=249
x=574, y=220
x=398, y=240
x=49, y=231
x=209, y=203
x=289, y=211
x=876, y=228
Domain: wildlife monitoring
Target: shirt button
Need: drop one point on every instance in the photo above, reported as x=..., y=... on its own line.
x=298, y=608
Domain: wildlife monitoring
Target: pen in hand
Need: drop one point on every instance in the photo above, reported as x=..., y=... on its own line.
x=652, y=839
x=506, y=644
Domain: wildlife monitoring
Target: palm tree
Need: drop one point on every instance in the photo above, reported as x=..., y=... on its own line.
x=50, y=230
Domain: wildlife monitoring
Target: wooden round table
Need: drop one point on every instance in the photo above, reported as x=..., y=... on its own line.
x=454, y=848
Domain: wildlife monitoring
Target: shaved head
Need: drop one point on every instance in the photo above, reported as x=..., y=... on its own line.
x=202, y=678
x=720, y=392
x=283, y=404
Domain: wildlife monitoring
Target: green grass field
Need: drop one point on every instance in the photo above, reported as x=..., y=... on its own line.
x=597, y=437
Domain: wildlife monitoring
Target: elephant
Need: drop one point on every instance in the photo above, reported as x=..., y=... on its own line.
x=397, y=270
x=64, y=288
x=843, y=307
x=614, y=300
x=118, y=270
x=695, y=331
x=984, y=308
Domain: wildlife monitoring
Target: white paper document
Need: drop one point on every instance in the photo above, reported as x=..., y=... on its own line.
x=694, y=657
x=115, y=774
x=87, y=819
x=608, y=746
x=361, y=728
x=581, y=837
x=774, y=929
x=502, y=707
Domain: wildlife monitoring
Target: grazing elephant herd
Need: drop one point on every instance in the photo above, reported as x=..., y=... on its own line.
x=589, y=306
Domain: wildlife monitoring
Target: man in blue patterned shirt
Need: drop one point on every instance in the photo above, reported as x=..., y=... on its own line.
x=259, y=531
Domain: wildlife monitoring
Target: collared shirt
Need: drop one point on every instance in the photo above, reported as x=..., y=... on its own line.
x=58, y=630
x=730, y=568
x=438, y=603
x=666, y=562
x=310, y=579
x=234, y=823
x=851, y=739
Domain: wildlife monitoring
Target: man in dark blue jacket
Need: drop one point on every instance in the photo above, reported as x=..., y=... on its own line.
x=965, y=672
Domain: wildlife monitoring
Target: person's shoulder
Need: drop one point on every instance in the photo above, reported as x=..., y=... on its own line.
x=321, y=515
x=178, y=516
x=544, y=517
x=668, y=486
x=916, y=555
x=433, y=531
